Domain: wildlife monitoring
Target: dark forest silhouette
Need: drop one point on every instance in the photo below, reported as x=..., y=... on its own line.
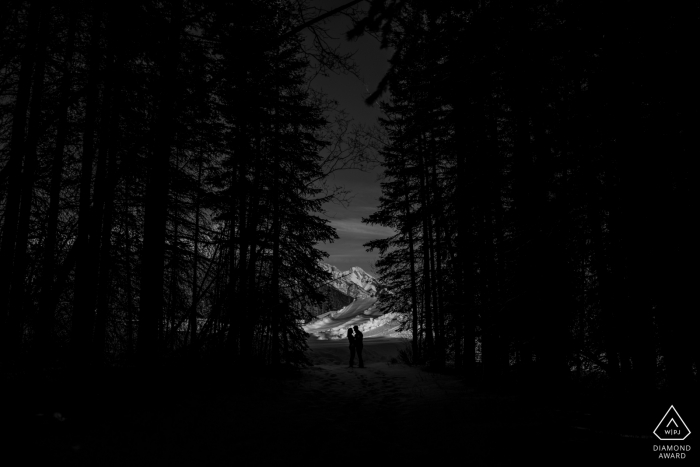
x=163, y=172
x=538, y=175
x=164, y=166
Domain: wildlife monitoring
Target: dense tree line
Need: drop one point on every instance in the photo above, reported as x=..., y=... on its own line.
x=538, y=177
x=162, y=178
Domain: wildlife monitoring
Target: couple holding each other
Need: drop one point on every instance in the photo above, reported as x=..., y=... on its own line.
x=355, y=346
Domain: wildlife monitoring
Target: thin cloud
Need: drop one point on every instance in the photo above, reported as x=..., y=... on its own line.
x=348, y=250
x=353, y=227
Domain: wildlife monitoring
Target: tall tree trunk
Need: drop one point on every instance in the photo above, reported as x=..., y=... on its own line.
x=254, y=209
x=437, y=268
x=156, y=202
x=237, y=290
x=129, y=312
x=251, y=309
x=427, y=295
x=249, y=315
x=489, y=320
x=523, y=206
x=496, y=257
x=14, y=168
x=169, y=334
x=195, y=260
x=45, y=319
x=239, y=328
x=17, y=288
x=104, y=281
x=466, y=319
x=437, y=316
x=276, y=231
x=234, y=305
x=83, y=310
x=604, y=290
x=414, y=292
x=103, y=204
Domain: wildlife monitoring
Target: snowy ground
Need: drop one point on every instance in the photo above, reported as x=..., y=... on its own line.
x=385, y=414
x=336, y=352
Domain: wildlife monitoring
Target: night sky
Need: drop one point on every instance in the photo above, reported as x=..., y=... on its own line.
x=350, y=92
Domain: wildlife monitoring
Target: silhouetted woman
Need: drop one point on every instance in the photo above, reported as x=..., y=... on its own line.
x=351, y=338
x=358, y=346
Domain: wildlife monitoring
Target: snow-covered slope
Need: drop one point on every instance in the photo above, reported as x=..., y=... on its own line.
x=364, y=311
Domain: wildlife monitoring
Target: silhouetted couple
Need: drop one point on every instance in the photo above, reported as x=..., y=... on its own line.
x=355, y=346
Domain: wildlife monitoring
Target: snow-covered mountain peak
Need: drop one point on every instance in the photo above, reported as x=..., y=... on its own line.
x=354, y=282
x=358, y=271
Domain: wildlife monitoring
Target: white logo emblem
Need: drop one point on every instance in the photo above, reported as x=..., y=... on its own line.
x=671, y=427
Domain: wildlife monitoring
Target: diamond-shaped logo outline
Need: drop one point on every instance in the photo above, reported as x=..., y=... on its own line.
x=679, y=418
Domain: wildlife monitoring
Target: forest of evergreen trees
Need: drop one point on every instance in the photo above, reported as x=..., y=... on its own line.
x=538, y=175
x=162, y=178
x=162, y=170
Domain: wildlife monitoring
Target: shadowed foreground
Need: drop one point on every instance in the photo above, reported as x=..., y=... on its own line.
x=326, y=413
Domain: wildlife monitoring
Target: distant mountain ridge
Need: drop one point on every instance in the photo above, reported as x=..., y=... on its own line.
x=346, y=287
x=354, y=282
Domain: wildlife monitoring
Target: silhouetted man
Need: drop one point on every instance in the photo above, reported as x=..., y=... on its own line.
x=358, y=346
x=351, y=339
